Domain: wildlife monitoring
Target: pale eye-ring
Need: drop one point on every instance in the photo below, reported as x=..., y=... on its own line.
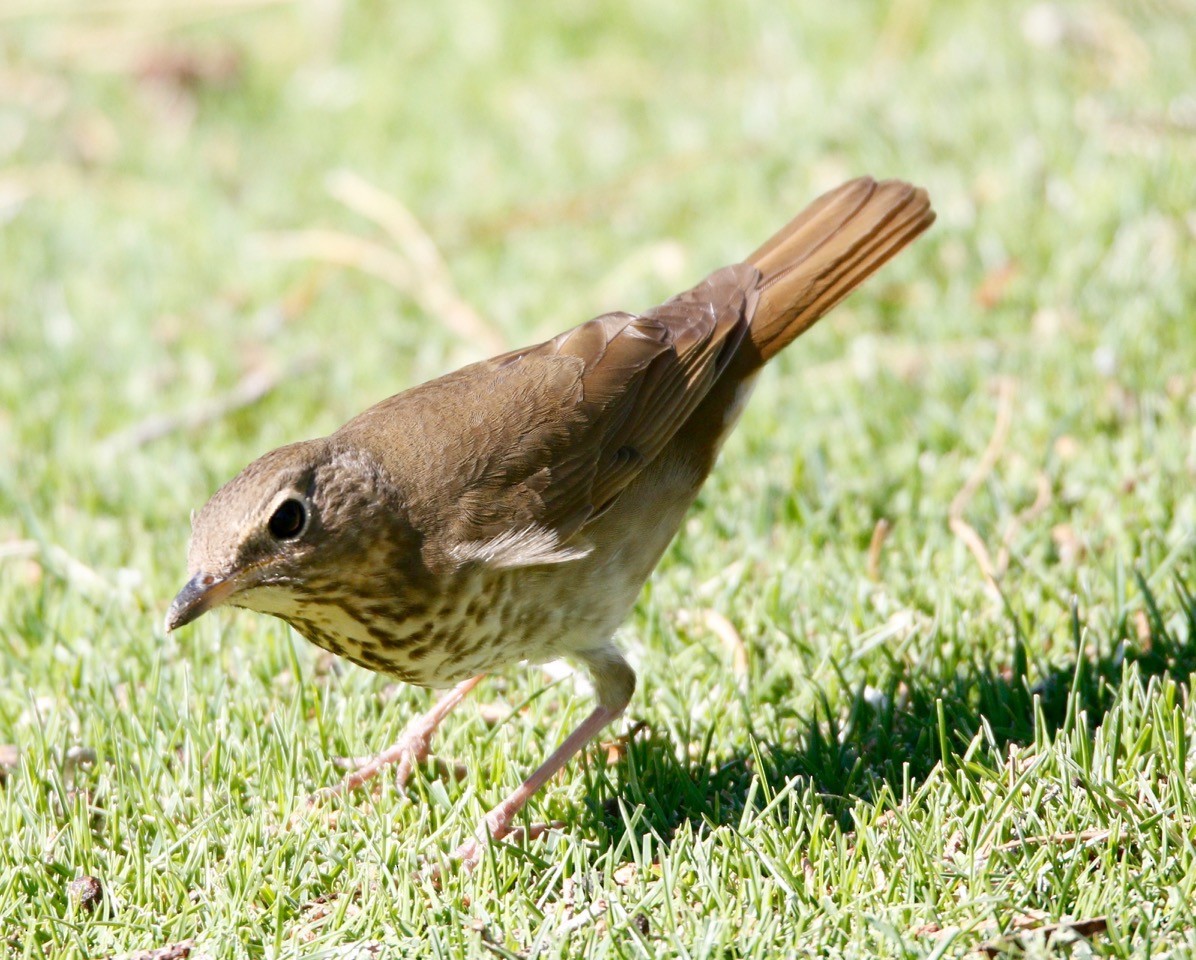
x=288, y=520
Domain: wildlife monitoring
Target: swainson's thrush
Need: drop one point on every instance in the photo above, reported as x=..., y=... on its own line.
x=513, y=509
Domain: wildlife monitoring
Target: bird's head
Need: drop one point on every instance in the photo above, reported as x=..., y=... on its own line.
x=277, y=530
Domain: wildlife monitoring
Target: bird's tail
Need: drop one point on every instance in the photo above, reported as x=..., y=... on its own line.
x=825, y=252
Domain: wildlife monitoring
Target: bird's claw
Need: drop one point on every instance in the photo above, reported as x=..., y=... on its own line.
x=469, y=853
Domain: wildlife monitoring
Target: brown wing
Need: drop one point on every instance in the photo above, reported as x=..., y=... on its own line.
x=506, y=461
x=584, y=413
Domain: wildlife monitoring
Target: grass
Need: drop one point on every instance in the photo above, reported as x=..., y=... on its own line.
x=919, y=762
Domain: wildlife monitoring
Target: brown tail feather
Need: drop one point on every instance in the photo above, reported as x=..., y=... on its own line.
x=826, y=251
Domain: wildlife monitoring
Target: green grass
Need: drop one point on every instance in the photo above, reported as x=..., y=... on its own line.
x=914, y=765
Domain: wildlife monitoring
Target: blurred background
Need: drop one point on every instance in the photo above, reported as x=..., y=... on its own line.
x=230, y=224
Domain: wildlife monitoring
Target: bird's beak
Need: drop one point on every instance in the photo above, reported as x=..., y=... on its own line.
x=202, y=592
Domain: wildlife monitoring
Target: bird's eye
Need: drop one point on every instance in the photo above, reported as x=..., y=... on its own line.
x=288, y=520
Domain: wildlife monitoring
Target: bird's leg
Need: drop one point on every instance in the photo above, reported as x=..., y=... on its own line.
x=409, y=750
x=614, y=683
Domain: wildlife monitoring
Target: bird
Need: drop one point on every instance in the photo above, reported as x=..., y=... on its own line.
x=511, y=511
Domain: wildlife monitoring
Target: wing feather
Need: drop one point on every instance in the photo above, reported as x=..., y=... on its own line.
x=599, y=403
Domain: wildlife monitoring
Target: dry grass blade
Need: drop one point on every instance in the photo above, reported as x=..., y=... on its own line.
x=176, y=951
x=62, y=562
x=339, y=249
x=992, y=453
x=1042, y=500
x=722, y=628
x=1086, y=837
x=250, y=389
x=880, y=533
x=616, y=749
x=592, y=201
x=346, y=250
x=428, y=278
x=1066, y=930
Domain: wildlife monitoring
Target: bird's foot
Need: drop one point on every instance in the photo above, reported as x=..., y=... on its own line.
x=469, y=854
x=498, y=822
x=405, y=754
x=410, y=750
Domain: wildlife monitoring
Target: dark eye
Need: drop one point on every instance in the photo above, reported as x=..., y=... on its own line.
x=288, y=520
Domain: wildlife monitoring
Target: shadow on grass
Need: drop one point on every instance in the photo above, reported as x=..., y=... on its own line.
x=848, y=755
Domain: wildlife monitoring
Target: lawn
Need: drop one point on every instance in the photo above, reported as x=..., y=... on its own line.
x=915, y=680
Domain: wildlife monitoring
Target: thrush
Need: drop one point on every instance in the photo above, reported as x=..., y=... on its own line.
x=512, y=510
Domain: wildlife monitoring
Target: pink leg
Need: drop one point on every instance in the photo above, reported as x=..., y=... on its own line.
x=614, y=681
x=410, y=749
